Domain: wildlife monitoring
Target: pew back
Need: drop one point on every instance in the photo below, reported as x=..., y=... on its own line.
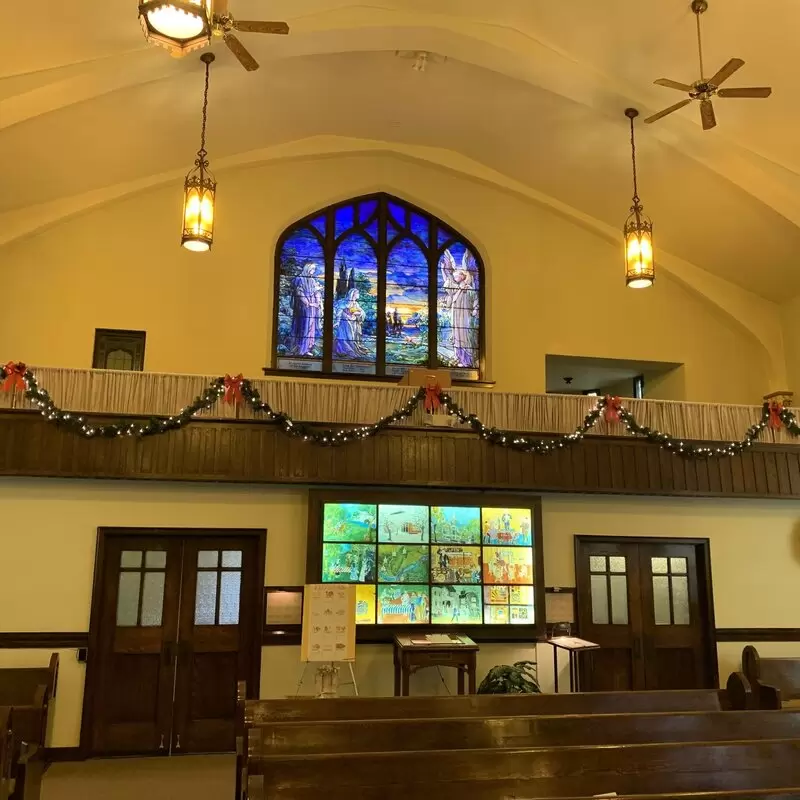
x=6, y=754
x=258, y=712
x=780, y=673
x=532, y=772
x=465, y=733
x=28, y=691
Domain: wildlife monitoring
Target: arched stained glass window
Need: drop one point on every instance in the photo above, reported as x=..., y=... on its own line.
x=374, y=286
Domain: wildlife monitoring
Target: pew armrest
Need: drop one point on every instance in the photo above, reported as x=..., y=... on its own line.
x=740, y=694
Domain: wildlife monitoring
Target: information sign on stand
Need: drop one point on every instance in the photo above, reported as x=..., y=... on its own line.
x=329, y=623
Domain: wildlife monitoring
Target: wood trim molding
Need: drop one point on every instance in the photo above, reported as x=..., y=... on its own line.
x=255, y=452
x=57, y=755
x=758, y=634
x=43, y=640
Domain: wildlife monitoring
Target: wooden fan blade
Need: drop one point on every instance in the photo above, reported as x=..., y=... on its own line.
x=726, y=71
x=681, y=87
x=707, y=115
x=260, y=26
x=241, y=52
x=750, y=91
x=668, y=110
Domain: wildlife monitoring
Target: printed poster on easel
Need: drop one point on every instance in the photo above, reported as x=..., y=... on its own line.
x=329, y=623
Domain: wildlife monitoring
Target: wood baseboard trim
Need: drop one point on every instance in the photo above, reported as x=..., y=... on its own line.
x=758, y=634
x=57, y=755
x=43, y=640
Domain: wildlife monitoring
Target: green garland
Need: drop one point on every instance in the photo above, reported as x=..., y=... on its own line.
x=16, y=375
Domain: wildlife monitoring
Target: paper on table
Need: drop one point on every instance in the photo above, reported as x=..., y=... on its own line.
x=574, y=643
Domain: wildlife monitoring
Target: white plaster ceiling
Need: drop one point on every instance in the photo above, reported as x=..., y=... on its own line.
x=533, y=90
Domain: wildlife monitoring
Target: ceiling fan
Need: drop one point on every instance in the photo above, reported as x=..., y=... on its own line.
x=706, y=88
x=223, y=24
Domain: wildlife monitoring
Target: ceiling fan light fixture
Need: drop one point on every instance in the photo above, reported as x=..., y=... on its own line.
x=640, y=271
x=178, y=25
x=200, y=189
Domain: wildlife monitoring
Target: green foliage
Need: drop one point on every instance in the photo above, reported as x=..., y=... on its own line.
x=519, y=678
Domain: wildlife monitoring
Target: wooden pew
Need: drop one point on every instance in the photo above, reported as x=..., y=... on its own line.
x=299, y=709
x=6, y=754
x=775, y=681
x=530, y=772
x=474, y=733
x=28, y=692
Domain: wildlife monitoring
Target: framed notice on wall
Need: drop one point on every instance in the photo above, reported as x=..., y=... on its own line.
x=329, y=623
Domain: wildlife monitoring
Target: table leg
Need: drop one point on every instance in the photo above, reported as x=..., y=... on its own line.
x=460, y=669
x=571, y=671
x=555, y=667
x=471, y=671
x=404, y=676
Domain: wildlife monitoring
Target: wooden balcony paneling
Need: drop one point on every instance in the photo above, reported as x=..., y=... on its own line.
x=258, y=453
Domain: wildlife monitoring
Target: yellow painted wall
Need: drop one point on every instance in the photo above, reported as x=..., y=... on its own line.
x=553, y=286
x=49, y=527
x=790, y=316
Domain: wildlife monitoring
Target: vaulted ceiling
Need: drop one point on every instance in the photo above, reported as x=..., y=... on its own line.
x=533, y=90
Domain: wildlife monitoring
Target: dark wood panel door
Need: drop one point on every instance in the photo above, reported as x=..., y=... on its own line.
x=646, y=602
x=673, y=648
x=217, y=629
x=175, y=625
x=607, y=578
x=136, y=647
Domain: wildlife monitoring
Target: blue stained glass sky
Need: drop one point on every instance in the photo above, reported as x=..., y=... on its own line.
x=366, y=210
x=398, y=212
x=344, y=219
x=420, y=227
x=356, y=253
x=407, y=277
x=302, y=246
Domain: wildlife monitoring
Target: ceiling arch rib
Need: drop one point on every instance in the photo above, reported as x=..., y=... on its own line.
x=515, y=52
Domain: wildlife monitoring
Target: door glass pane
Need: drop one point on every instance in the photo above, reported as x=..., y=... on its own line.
x=155, y=559
x=658, y=566
x=230, y=587
x=617, y=563
x=153, y=598
x=205, y=601
x=128, y=598
x=232, y=558
x=680, y=598
x=619, y=599
x=131, y=559
x=597, y=563
x=677, y=566
x=661, y=599
x=208, y=558
x=599, y=588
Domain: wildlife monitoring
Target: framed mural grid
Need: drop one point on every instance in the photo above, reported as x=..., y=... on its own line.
x=432, y=561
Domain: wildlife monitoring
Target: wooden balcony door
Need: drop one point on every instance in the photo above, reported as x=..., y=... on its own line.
x=648, y=603
x=175, y=624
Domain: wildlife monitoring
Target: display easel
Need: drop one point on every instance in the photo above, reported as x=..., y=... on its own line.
x=329, y=635
x=329, y=670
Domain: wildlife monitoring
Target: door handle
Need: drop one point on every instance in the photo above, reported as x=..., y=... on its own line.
x=178, y=742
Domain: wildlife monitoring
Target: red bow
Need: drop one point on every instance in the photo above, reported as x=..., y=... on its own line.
x=432, y=397
x=233, y=389
x=775, y=421
x=613, y=407
x=14, y=376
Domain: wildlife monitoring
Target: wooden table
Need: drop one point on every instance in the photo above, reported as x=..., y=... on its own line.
x=412, y=654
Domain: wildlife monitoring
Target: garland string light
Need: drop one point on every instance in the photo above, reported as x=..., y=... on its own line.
x=239, y=390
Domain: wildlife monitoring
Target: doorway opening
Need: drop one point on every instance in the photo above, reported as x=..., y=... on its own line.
x=648, y=602
x=176, y=621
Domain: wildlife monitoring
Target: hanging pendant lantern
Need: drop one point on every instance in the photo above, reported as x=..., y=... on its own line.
x=178, y=25
x=200, y=190
x=640, y=271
